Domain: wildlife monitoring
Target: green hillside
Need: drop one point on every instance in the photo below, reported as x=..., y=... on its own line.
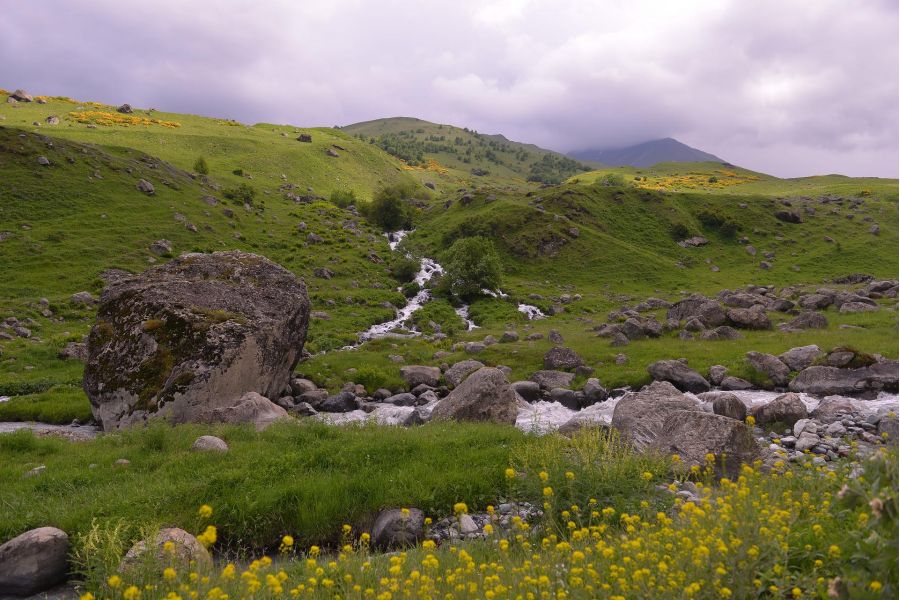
x=464, y=155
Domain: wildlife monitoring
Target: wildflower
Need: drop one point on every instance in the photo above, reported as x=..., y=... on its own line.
x=796, y=592
x=548, y=491
x=169, y=574
x=132, y=592
x=750, y=420
x=364, y=538
x=510, y=473
x=875, y=586
x=228, y=571
x=314, y=551
x=205, y=511
x=834, y=550
x=676, y=458
x=488, y=529
x=570, y=475
x=169, y=546
x=543, y=475
x=725, y=592
x=710, y=457
x=647, y=475
x=114, y=581
x=86, y=596
x=460, y=508
x=208, y=537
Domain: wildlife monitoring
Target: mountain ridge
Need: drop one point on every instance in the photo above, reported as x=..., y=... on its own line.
x=646, y=154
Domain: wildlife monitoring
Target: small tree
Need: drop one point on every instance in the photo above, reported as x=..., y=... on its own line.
x=390, y=209
x=201, y=167
x=472, y=265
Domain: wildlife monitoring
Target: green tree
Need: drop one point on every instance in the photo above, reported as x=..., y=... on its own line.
x=200, y=167
x=391, y=209
x=472, y=264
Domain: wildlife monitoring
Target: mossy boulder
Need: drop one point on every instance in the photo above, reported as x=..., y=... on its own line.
x=194, y=335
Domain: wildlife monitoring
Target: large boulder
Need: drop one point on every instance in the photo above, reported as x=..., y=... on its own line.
x=530, y=391
x=786, y=409
x=562, y=358
x=549, y=380
x=186, y=549
x=415, y=375
x=33, y=561
x=729, y=405
x=194, y=335
x=459, y=371
x=709, y=312
x=692, y=435
x=749, y=318
x=828, y=381
x=679, y=374
x=801, y=357
x=640, y=416
x=398, y=528
x=809, y=320
x=251, y=408
x=485, y=395
x=770, y=366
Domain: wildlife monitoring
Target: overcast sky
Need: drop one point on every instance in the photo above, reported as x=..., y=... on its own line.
x=786, y=87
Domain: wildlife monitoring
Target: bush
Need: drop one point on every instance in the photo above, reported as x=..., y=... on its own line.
x=201, y=167
x=410, y=289
x=721, y=223
x=713, y=179
x=242, y=194
x=343, y=198
x=679, y=231
x=405, y=269
x=611, y=180
x=373, y=378
x=390, y=209
x=472, y=264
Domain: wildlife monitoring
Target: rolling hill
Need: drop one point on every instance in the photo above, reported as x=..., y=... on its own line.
x=647, y=154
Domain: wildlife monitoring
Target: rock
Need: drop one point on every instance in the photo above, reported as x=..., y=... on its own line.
x=303, y=409
x=251, y=408
x=396, y=528
x=146, y=187
x=594, y=392
x=555, y=337
x=300, y=386
x=314, y=238
x=125, y=109
x=565, y=397
x=751, y=250
x=621, y=359
x=770, y=366
x=786, y=409
x=561, y=358
x=187, y=549
x=619, y=339
x=161, y=247
x=83, y=299
x=474, y=348
x=509, y=336
x=43, y=161
x=194, y=335
x=415, y=375
x=34, y=561
x=694, y=242
x=209, y=443
x=323, y=273
x=709, y=312
x=789, y=216
x=459, y=371
x=830, y=381
x=679, y=374
x=305, y=138
x=855, y=307
x=21, y=96
x=485, y=395
x=722, y=332
x=749, y=318
x=809, y=320
x=342, y=402
x=815, y=301
x=528, y=390
x=404, y=399
x=729, y=405
x=716, y=374
x=692, y=435
x=548, y=380
x=735, y=384
x=640, y=416
x=835, y=408
x=312, y=397
x=74, y=351
x=467, y=525
x=887, y=428
x=332, y=153
x=801, y=357
x=806, y=441
x=52, y=120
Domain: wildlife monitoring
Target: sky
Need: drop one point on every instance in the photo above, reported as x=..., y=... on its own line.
x=787, y=87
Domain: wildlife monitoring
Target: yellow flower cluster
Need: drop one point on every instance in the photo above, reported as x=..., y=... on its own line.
x=98, y=117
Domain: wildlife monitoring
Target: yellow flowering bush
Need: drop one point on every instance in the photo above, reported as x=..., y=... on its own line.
x=99, y=117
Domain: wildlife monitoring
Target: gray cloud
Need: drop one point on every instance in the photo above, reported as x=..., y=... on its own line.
x=782, y=86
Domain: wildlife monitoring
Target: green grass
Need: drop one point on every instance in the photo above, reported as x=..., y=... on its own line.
x=58, y=405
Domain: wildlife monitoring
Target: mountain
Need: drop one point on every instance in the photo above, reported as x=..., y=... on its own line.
x=647, y=154
x=465, y=154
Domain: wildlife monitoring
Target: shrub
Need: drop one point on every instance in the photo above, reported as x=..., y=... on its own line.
x=679, y=231
x=713, y=179
x=373, y=378
x=611, y=180
x=405, y=269
x=343, y=198
x=410, y=289
x=721, y=223
x=242, y=194
x=390, y=209
x=472, y=264
x=201, y=167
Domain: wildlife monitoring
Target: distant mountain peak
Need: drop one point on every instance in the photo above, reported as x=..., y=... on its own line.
x=646, y=154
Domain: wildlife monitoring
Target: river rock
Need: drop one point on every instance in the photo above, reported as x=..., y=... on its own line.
x=485, y=395
x=692, y=434
x=716, y=374
x=187, y=549
x=770, y=366
x=415, y=375
x=562, y=358
x=33, y=561
x=192, y=336
x=594, y=392
x=829, y=381
x=679, y=374
x=459, y=371
x=729, y=405
x=395, y=529
x=735, y=384
x=640, y=416
x=251, y=408
x=549, y=379
x=786, y=408
x=530, y=391
x=801, y=357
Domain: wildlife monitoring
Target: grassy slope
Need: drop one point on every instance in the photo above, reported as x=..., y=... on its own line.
x=461, y=150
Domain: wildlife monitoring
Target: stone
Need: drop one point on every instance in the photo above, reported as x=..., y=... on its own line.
x=161, y=247
x=770, y=366
x=209, y=443
x=806, y=441
x=815, y=301
x=33, y=562
x=21, y=96
x=809, y=320
x=555, y=337
x=789, y=216
x=305, y=138
x=146, y=187
x=565, y=397
x=855, y=307
x=729, y=405
x=594, y=392
x=735, y=384
x=679, y=374
x=509, y=336
x=549, y=379
x=194, y=335
x=887, y=428
x=186, y=549
x=559, y=358
x=52, y=120
x=459, y=371
x=692, y=435
x=341, y=402
x=303, y=409
x=251, y=408
x=485, y=395
x=619, y=339
x=415, y=375
x=722, y=332
x=530, y=391
x=404, y=399
x=474, y=348
x=300, y=386
x=786, y=408
x=398, y=528
x=716, y=374
x=829, y=381
x=640, y=416
x=43, y=161
x=801, y=357
x=709, y=312
x=749, y=318
x=323, y=273
x=125, y=109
